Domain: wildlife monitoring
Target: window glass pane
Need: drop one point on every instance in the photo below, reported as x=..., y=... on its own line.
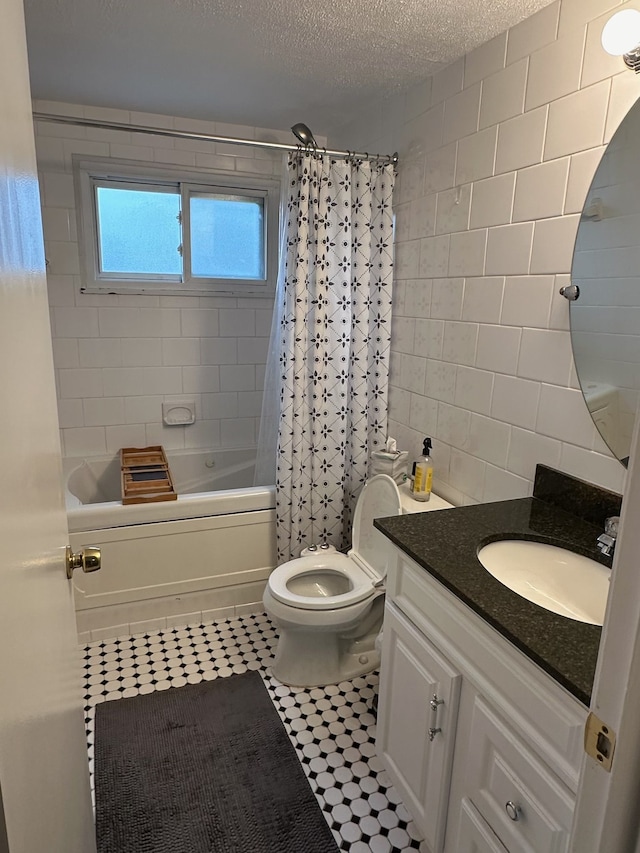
x=227, y=236
x=138, y=231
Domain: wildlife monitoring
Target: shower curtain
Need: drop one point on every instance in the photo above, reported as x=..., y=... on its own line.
x=330, y=347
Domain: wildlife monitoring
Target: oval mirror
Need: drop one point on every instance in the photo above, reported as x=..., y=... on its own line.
x=605, y=318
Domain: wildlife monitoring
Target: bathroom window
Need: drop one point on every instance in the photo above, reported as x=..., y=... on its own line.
x=176, y=233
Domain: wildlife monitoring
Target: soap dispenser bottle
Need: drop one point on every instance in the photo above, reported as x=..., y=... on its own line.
x=422, y=474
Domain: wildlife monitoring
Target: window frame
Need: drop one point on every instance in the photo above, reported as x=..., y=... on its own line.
x=88, y=174
x=187, y=190
x=111, y=183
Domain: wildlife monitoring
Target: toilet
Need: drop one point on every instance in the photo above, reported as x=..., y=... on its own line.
x=329, y=606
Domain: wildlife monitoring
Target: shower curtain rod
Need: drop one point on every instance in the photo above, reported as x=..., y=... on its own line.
x=207, y=137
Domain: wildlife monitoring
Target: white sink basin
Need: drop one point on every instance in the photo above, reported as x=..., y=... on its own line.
x=559, y=580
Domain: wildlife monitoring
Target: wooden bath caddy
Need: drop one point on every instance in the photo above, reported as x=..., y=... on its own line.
x=145, y=475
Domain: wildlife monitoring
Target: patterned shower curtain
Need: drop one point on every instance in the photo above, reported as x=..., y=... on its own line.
x=334, y=337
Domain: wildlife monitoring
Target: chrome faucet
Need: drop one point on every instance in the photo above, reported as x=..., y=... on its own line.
x=606, y=542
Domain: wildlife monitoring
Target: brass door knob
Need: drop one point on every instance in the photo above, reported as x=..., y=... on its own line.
x=89, y=560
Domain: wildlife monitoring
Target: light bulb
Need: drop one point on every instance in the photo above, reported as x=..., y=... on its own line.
x=621, y=33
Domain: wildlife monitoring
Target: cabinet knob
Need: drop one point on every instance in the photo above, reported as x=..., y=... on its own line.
x=512, y=809
x=434, y=702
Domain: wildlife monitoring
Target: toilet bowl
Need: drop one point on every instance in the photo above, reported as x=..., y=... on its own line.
x=329, y=606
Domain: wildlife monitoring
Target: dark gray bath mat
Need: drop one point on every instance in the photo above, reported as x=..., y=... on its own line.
x=205, y=768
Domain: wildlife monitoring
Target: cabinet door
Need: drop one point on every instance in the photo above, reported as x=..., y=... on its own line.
x=523, y=801
x=475, y=834
x=418, y=706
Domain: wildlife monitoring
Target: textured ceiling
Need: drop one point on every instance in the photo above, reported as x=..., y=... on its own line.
x=258, y=62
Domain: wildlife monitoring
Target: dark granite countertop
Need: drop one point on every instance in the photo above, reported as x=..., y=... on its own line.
x=446, y=542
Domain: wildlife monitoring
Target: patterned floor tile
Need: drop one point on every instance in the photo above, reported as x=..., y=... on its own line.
x=332, y=728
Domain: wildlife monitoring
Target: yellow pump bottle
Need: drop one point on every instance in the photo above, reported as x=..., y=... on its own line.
x=422, y=474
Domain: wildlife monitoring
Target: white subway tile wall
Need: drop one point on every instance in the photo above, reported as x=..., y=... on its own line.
x=497, y=153
x=118, y=357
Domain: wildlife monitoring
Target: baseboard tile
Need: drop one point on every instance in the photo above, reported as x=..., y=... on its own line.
x=148, y=625
x=177, y=620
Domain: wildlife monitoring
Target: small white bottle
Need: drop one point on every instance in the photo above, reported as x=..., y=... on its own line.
x=422, y=474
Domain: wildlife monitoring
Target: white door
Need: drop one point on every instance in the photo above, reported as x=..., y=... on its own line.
x=607, y=818
x=44, y=783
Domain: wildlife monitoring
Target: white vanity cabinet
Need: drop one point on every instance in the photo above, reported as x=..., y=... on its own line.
x=484, y=747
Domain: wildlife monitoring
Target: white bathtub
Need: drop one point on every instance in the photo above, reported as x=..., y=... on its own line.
x=206, y=554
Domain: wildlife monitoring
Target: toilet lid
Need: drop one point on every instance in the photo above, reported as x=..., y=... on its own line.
x=379, y=498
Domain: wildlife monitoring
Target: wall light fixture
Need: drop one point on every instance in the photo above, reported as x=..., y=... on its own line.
x=621, y=37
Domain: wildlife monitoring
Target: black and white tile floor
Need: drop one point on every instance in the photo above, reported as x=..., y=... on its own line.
x=332, y=728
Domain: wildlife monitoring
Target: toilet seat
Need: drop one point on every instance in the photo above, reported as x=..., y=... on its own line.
x=362, y=585
x=365, y=566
